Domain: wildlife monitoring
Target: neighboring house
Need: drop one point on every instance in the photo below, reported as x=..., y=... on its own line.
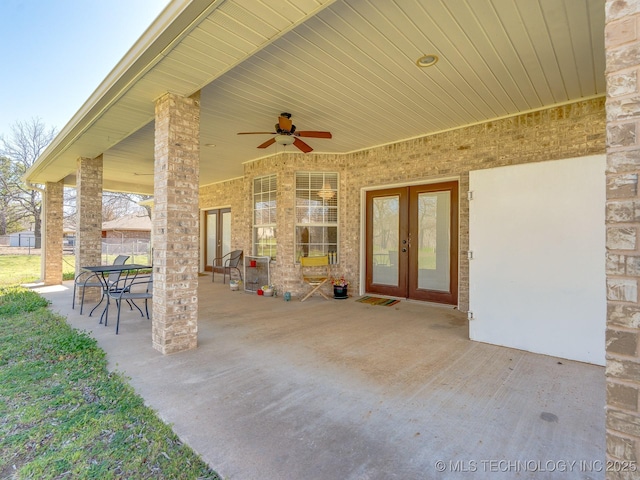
x=125, y=229
x=466, y=167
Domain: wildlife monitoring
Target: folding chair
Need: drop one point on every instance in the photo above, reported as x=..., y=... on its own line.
x=315, y=273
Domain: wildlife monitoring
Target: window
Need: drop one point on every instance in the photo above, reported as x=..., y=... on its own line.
x=317, y=215
x=264, y=216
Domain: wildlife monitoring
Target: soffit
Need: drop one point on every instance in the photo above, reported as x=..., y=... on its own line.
x=348, y=67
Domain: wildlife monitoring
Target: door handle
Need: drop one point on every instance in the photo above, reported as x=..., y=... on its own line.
x=404, y=249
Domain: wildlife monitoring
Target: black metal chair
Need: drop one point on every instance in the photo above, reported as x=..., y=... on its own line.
x=226, y=263
x=89, y=279
x=125, y=289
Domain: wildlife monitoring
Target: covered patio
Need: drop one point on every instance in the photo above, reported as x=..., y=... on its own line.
x=341, y=389
x=416, y=102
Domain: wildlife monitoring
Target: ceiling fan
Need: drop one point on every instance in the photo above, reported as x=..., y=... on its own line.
x=286, y=134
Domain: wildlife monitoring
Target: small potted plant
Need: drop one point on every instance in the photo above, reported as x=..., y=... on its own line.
x=340, y=285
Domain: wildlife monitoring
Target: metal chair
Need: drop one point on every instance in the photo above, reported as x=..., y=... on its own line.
x=89, y=279
x=315, y=273
x=225, y=264
x=124, y=289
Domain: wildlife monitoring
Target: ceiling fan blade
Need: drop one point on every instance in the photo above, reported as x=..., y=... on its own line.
x=268, y=143
x=302, y=146
x=285, y=123
x=311, y=133
x=257, y=133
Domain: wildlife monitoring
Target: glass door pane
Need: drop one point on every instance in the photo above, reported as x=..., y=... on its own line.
x=385, y=230
x=226, y=232
x=212, y=236
x=434, y=241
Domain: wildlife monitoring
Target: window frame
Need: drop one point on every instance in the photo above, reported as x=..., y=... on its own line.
x=321, y=216
x=264, y=208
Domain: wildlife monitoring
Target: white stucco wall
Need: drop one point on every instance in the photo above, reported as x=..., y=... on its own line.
x=537, y=277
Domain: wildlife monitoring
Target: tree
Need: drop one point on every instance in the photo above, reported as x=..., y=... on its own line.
x=114, y=205
x=5, y=204
x=119, y=204
x=22, y=148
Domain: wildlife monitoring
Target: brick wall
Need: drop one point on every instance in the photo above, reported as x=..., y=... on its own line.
x=124, y=236
x=622, y=42
x=230, y=194
x=566, y=131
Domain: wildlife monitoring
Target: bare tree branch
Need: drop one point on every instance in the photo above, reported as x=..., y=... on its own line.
x=21, y=149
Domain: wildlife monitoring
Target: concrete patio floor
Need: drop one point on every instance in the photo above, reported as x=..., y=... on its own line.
x=342, y=390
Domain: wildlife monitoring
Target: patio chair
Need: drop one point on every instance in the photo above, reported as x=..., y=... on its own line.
x=89, y=279
x=315, y=273
x=225, y=264
x=126, y=289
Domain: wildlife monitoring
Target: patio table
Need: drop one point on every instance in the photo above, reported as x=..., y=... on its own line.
x=102, y=272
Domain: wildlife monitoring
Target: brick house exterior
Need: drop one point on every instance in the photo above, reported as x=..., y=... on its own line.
x=597, y=125
x=577, y=130
x=127, y=229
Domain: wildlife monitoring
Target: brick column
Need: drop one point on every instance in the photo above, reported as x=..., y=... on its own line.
x=52, y=233
x=622, y=43
x=176, y=223
x=89, y=217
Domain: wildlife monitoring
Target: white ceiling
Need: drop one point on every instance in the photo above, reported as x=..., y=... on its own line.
x=347, y=66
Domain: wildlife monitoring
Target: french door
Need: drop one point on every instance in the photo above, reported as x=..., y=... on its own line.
x=218, y=231
x=412, y=242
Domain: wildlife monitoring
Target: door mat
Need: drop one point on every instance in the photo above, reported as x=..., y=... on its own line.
x=385, y=302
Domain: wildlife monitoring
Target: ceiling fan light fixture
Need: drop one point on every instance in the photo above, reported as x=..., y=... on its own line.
x=284, y=139
x=427, y=60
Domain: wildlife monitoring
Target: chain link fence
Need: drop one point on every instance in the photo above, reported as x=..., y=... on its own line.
x=139, y=251
x=19, y=244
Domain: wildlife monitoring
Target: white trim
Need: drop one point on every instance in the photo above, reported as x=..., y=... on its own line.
x=429, y=181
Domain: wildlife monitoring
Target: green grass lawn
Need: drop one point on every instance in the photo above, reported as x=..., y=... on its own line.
x=64, y=415
x=16, y=269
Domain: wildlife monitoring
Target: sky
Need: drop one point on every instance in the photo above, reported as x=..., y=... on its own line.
x=55, y=53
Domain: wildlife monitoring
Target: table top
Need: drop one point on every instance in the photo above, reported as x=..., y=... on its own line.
x=116, y=268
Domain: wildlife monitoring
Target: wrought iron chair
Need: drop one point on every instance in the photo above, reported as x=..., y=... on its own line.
x=125, y=289
x=226, y=263
x=89, y=279
x=315, y=273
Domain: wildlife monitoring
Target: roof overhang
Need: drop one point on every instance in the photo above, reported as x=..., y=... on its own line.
x=347, y=67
